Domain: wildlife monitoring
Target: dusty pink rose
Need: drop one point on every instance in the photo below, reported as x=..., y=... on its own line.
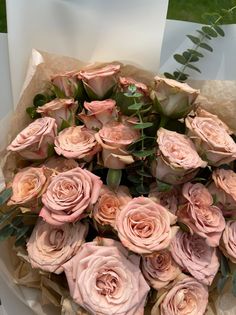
x=225, y=181
x=159, y=269
x=104, y=279
x=109, y=204
x=186, y=297
x=228, y=241
x=211, y=139
x=192, y=253
x=60, y=164
x=125, y=82
x=144, y=226
x=29, y=184
x=114, y=138
x=49, y=247
x=99, y=113
x=100, y=82
x=77, y=142
x=33, y=141
x=67, y=82
x=60, y=109
x=177, y=159
x=69, y=196
x=197, y=195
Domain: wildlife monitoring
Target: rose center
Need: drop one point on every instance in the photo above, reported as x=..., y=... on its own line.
x=141, y=226
x=107, y=283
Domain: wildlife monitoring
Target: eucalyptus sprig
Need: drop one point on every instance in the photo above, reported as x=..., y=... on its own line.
x=190, y=56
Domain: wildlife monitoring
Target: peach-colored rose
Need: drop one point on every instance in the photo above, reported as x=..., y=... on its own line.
x=177, y=159
x=32, y=142
x=211, y=139
x=186, y=297
x=125, y=82
x=67, y=82
x=60, y=109
x=49, y=247
x=29, y=184
x=99, y=82
x=225, y=181
x=197, y=195
x=104, y=279
x=228, y=241
x=114, y=138
x=69, y=196
x=60, y=164
x=192, y=253
x=99, y=113
x=77, y=142
x=172, y=98
x=109, y=204
x=144, y=226
x=159, y=269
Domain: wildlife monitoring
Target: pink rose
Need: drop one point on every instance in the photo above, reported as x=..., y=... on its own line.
x=109, y=204
x=144, y=226
x=99, y=113
x=100, y=82
x=225, y=181
x=114, y=138
x=60, y=164
x=125, y=82
x=69, y=196
x=228, y=241
x=192, y=253
x=67, y=82
x=197, y=195
x=29, y=184
x=186, y=297
x=49, y=247
x=77, y=142
x=177, y=159
x=59, y=109
x=211, y=139
x=104, y=279
x=159, y=269
x=33, y=141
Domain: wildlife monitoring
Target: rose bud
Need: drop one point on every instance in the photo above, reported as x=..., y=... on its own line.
x=100, y=82
x=60, y=109
x=228, y=241
x=67, y=83
x=32, y=143
x=105, y=279
x=172, y=98
x=177, y=159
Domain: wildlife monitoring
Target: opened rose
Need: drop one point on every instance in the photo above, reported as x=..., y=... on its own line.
x=104, y=279
x=61, y=164
x=70, y=196
x=32, y=143
x=49, y=247
x=67, y=83
x=144, y=226
x=228, y=241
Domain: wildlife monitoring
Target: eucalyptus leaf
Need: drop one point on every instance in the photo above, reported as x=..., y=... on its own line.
x=6, y=232
x=40, y=100
x=180, y=59
x=206, y=46
x=204, y=34
x=134, y=179
x=142, y=190
x=143, y=125
x=194, y=39
x=190, y=57
x=51, y=150
x=196, y=53
x=163, y=187
x=65, y=124
x=181, y=76
x=219, y=30
x=31, y=111
x=143, y=173
x=193, y=68
x=58, y=92
x=113, y=178
x=5, y=195
x=135, y=106
x=209, y=31
x=144, y=153
x=169, y=75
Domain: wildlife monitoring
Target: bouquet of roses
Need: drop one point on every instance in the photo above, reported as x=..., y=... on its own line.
x=121, y=195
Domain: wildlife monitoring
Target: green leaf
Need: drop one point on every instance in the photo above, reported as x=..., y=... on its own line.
x=206, y=46
x=58, y=92
x=135, y=106
x=204, y=34
x=142, y=154
x=163, y=187
x=132, y=88
x=193, y=67
x=16, y=221
x=142, y=190
x=51, y=150
x=183, y=227
x=22, y=231
x=181, y=76
x=234, y=284
x=194, y=39
x=6, y=232
x=31, y=111
x=180, y=59
x=143, y=125
x=65, y=124
x=190, y=57
x=209, y=31
x=169, y=75
x=224, y=266
x=113, y=178
x=5, y=195
x=40, y=100
x=196, y=53
x=221, y=283
x=6, y=216
x=134, y=179
x=219, y=30
x=143, y=173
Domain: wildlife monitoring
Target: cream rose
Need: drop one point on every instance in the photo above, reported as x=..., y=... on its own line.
x=144, y=226
x=177, y=159
x=159, y=269
x=49, y=247
x=192, y=253
x=109, y=204
x=211, y=139
x=32, y=142
x=59, y=109
x=69, y=196
x=114, y=138
x=104, y=279
x=77, y=142
x=67, y=82
x=228, y=241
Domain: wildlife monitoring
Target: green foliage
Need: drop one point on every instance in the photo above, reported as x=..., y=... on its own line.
x=225, y=273
x=5, y=195
x=113, y=178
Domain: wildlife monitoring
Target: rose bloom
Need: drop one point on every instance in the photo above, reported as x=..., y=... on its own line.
x=186, y=297
x=104, y=279
x=177, y=159
x=197, y=195
x=29, y=184
x=60, y=109
x=192, y=253
x=228, y=241
x=125, y=82
x=60, y=164
x=212, y=139
x=99, y=82
x=109, y=204
x=69, y=196
x=225, y=181
x=144, y=226
x=67, y=82
x=32, y=142
x=49, y=247
x=114, y=138
x=77, y=142
x=159, y=269
x=99, y=113
x=172, y=98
